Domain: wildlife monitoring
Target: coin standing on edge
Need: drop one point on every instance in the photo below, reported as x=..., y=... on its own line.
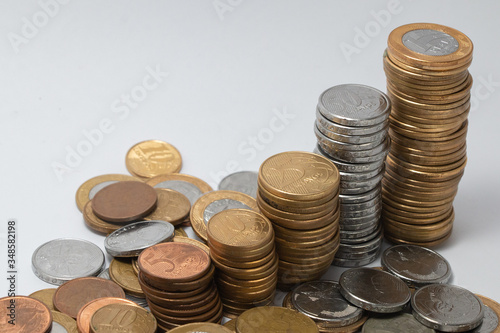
x=64, y=259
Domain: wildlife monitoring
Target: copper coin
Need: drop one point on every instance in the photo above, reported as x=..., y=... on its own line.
x=71, y=296
x=124, y=201
x=176, y=262
x=95, y=223
x=24, y=314
x=86, y=312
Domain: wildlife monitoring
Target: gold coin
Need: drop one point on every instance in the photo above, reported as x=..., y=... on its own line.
x=180, y=232
x=214, y=202
x=246, y=294
x=320, y=222
x=45, y=296
x=274, y=319
x=431, y=160
x=291, y=244
x=201, y=327
x=248, y=273
x=296, y=216
x=150, y=290
x=459, y=57
x=184, y=181
x=65, y=321
x=417, y=214
x=212, y=315
x=151, y=158
x=194, y=242
x=425, y=175
x=172, y=206
x=238, y=262
x=231, y=325
x=296, y=206
x=85, y=314
x=421, y=233
x=421, y=184
x=95, y=223
x=416, y=221
x=304, y=235
x=397, y=240
x=121, y=271
x=299, y=176
x=245, y=283
x=122, y=317
x=451, y=71
x=87, y=190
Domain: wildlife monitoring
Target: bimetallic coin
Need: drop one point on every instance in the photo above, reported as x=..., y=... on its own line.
x=172, y=206
x=152, y=158
x=402, y=322
x=24, y=314
x=243, y=181
x=64, y=259
x=447, y=308
x=416, y=265
x=122, y=317
x=274, y=319
x=192, y=187
x=374, y=290
x=322, y=301
x=66, y=322
x=132, y=239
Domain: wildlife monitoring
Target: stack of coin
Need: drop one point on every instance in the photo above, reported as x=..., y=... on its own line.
x=177, y=279
x=242, y=247
x=298, y=192
x=351, y=128
x=429, y=86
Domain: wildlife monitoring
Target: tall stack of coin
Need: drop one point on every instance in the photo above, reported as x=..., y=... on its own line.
x=429, y=86
x=298, y=193
x=177, y=279
x=351, y=128
x=241, y=245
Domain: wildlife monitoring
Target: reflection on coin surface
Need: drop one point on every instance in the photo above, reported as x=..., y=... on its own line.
x=122, y=318
x=402, y=322
x=430, y=42
x=416, y=265
x=447, y=308
x=132, y=239
x=64, y=259
x=28, y=314
x=374, y=290
x=243, y=181
x=321, y=300
x=153, y=157
x=274, y=319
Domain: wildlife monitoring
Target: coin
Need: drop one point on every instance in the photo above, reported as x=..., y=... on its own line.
x=172, y=206
x=97, y=224
x=274, y=319
x=151, y=158
x=45, y=296
x=447, y=308
x=401, y=322
x=201, y=327
x=242, y=181
x=25, y=315
x=192, y=187
x=85, y=314
x=490, y=321
x=122, y=273
x=122, y=317
x=88, y=189
x=64, y=259
x=124, y=201
x=374, y=290
x=71, y=296
x=67, y=323
x=214, y=202
x=427, y=266
x=132, y=239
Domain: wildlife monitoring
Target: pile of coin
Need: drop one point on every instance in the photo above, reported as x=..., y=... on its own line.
x=177, y=279
x=429, y=86
x=351, y=129
x=242, y=247
x=298, y=193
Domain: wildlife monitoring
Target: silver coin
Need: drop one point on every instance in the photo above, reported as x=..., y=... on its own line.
x=132, y=239
x=349, y=207
x=104, y=274
x=99, y=187
x=58, y=328
x=64, y=259
x=447, y=308
x=490, y=321
x=354, y=105
x=371, y=245
x=349, y=130
x=190, y=190
x=374, y=290
x=370, y=182
x=243, y=181
x=374, y=138
x=354, y=156
x=416, y=265
x=322, y=301
x=430, y=42
x=337, y=147
x=350, y=167
x=352, y=237
x=350, y=263
x=218, y=206
x=359, y=177
x=360, y=233
x=361, y=212
x=401, y=322
x=357, y=223
x=354, y=256
x=362, y=197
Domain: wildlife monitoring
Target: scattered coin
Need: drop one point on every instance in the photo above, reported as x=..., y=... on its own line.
x=26, y=315
x=122, y=273
x=172, y=206
x=65, y=321
x=151, y=158
x=45, y=296
x=117, y=317
x=242, y=181
x=87, y=311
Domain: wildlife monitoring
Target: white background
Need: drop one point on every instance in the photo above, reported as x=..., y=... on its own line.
x=225, y=74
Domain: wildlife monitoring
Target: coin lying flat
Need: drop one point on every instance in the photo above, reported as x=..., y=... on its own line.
x=243, y=181
x=192, y=187
x=151, y=158
x=172, y=206
x=85, y=314
x=118, y=317
x=64, y=259
x=416, y=265
x=447, y=308
x=132, y=239
x=402, y=322
x=490, y=323
x=122, y=273
x=374, y=290
x=66, y=322
x=45, y=296
x=201, y=327
x=26, y=315
x=274, y=319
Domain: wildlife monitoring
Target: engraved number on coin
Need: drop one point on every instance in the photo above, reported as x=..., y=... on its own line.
x=118, y=318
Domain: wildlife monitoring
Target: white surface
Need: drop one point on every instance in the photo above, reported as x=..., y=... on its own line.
x=228, y=76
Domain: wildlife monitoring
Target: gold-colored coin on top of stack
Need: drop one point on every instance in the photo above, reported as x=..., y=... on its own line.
x=429, y=87
x=299, y=194
x=242, y=249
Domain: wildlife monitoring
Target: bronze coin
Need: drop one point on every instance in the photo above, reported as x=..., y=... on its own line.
x=168, y=285
x=45, y=295
x=117, y=317
x=172, y=206
x=72, y=295
x=124, y=201
x=175, y=262
x=65, y=321
x=24, y=314
x=190, y=310
x=86, y=312
x=97, y=224
x=187, y=303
